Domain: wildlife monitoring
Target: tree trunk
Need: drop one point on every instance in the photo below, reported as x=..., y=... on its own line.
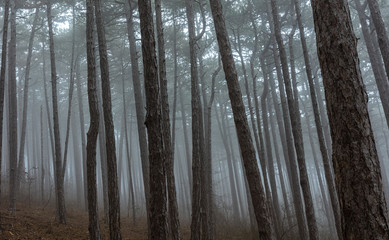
x=2, y=81
x=21, y=169
x=376, y=63
x=82, y=130
x=113, y=191
x=139, y=107
x=12, y=118
x=296, y=129
x=169, y=164
x=261, y=209
x=94, y=227
x=356, y=164
x=198, y=147
x=320, y=133
x=70, y=96
x=382, y=36
x=154, y=125
x=61, y=211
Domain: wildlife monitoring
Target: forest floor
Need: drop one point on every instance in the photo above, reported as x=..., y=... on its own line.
x=36, y=222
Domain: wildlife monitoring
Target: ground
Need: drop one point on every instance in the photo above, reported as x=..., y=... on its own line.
x=38, y=222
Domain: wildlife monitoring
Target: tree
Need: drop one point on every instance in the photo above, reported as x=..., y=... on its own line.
x=2, y=78
x=12, y=118
x=261, y=209
x=167, y=142
x=153, y=123
x=61, y=211
x=113, y=191
x=94, y=227
x=356, y=164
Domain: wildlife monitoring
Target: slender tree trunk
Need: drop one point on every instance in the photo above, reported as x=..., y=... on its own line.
x=21, y=169
x=82, y=130
x=198, y=148
x=269, y=154
x=169, y=164
x=61, y=211
x=376, y=63
x=113, y=191
x=234, y=193
x=2, y=81
x=130, y=182
x=261, y=209
x=139, y=107
x=12, y=118
x=382, y=36
x=296, y=129
x=70, y=98
x=356, y=164
x=94, y=227
x=289, y=154
x=154, y=125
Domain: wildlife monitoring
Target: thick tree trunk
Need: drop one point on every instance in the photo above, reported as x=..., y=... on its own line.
x=356, y=164
x=261, y=208
x=113, y=191
x=94, y=227
x=154, y=125
x=318, y=123
x=61, y=211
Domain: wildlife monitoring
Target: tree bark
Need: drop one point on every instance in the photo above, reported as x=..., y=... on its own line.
x=356, y=165
x=261, y=209
x=2, y=81
x=12, y=118
x=319, y=129
x=113, y=191
x=139, y=107
x=296, y=129
x=94, y=227
x=154, y=125
x=21, y=169
x=61, y=211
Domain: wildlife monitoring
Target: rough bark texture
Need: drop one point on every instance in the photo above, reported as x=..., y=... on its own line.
x=318, y=122
x=94, y=227
x=261, y=209
x=168, y=150
x=356, y=164
x=113, y=191
x=61, y=211
x=197, y=127
x=139, y=107
x=12, y=118
x=154, y=125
